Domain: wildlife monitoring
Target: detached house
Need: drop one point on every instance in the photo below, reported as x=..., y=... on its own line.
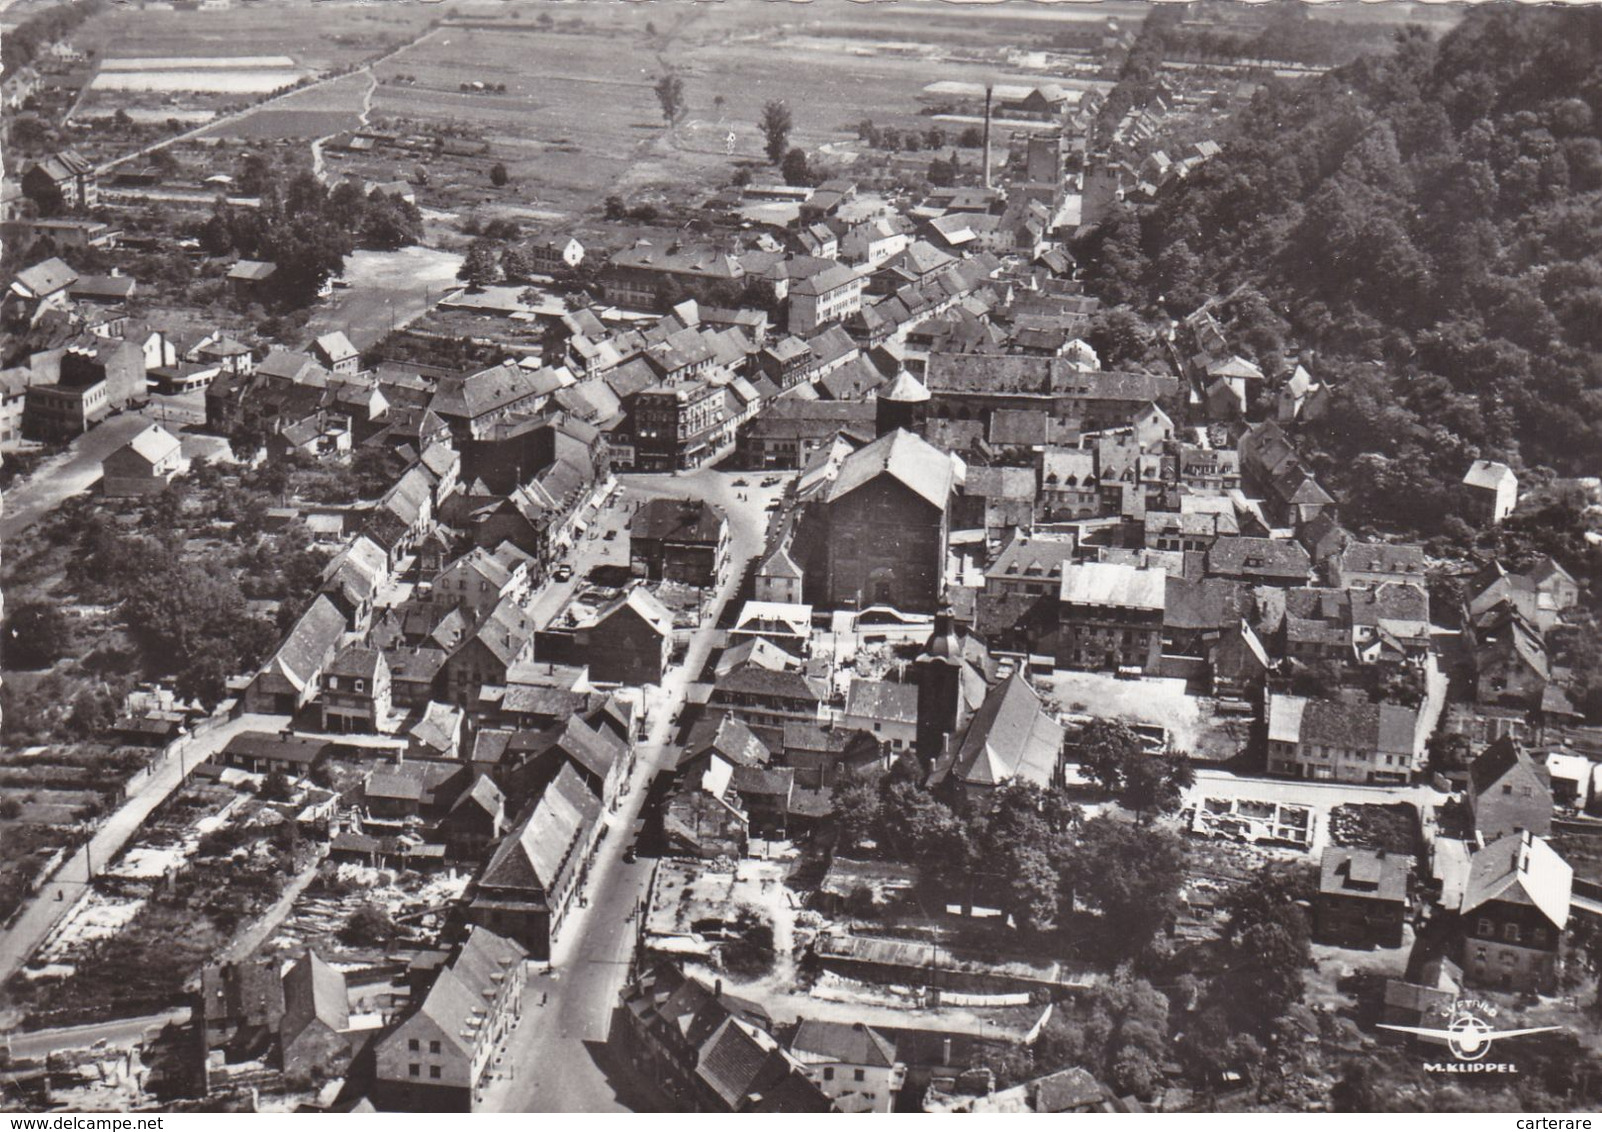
x=554, y=253
x=1509, y=792
x=143, y=466
x=1515, y=907
x=679, y=541
x=1362, y=897
x=63, y=180
x=1492, y=489
x=336, y=353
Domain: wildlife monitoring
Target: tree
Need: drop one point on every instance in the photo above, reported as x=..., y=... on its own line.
x=1115, y=758
x=856, y=811
x=367, y=926
x=1118, y=1030
x=1120, y=337
x=276, y=787
x=39, y=633
x=516, y=264
x=1129, y=874
x=776, y=124
x=498, y=176
x=480, y=268
x=1156, y=784
x=1267, y=946
x=971, y=138
x=795, y=168
x=615, y=208
x=670, y=93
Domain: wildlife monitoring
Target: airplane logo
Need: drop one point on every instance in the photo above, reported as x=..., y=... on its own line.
x=1467, y=1035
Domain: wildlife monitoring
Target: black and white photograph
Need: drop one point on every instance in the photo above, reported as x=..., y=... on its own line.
x=767, y=557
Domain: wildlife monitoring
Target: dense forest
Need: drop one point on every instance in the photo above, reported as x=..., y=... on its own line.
x=1424, y=227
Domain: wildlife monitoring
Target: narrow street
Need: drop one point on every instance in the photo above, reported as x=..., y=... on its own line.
x=566, y=1014
x=122, y=1033
x=75, y=469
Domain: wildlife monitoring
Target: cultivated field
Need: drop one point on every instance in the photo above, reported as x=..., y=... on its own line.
x=579, y=119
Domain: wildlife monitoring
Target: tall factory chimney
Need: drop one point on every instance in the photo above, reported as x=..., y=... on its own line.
x=988, y=91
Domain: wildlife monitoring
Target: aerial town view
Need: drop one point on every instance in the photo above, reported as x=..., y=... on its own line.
x=794, y=558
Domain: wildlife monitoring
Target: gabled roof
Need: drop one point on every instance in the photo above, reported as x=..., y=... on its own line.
x=1009, y=737
x=677, y=520
x=155, y=444
x=1369, y=874
x=458, y=1002
x=538, y=853
x=1520, y=868
x=727, y=737
x=45, y=278
x=1114, y=584
x=914, y=462
x=882, y=700
x=251, y=270
x=440, y=727
x=1503, y=760
x=335, y=346
x=313, y=991
x=1489, y=474
x=734, y=1059
x=756, y=680
x=309, y=643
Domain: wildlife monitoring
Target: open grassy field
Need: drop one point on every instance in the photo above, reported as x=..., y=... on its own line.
x=313, y=112
x=579, y=119
x=319, y=38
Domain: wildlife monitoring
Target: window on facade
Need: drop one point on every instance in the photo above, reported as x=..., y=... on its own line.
x=433, y=1047
x=414, y=1070
x=1507, y=788
x=361, y=685
x=828, y=1073
x=412, y=1045
x=1486, y=928
x=860, y=1074
x=433, y=1073
x=1510, y=932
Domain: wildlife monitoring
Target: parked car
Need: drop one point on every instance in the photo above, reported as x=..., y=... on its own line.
x=564, y=572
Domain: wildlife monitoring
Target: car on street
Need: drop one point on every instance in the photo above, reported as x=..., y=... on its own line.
x=742, y=483
x=630, y=856
x=564, y=572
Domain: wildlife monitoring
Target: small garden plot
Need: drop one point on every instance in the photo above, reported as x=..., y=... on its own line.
x=141, y=938
x=1394, y=828
x=352, y=912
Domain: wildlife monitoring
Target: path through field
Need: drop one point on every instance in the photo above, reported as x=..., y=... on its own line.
x=270, y=103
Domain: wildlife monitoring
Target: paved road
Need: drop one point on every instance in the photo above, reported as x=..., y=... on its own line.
x=555, y=1061
x=69, y=472
x=43, y=912
x=122, y=1034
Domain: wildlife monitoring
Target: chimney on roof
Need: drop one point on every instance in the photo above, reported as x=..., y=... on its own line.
x=717, y=989
x=989, y=90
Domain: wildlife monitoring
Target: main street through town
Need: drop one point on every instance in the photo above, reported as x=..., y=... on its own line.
x=555, y=1061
